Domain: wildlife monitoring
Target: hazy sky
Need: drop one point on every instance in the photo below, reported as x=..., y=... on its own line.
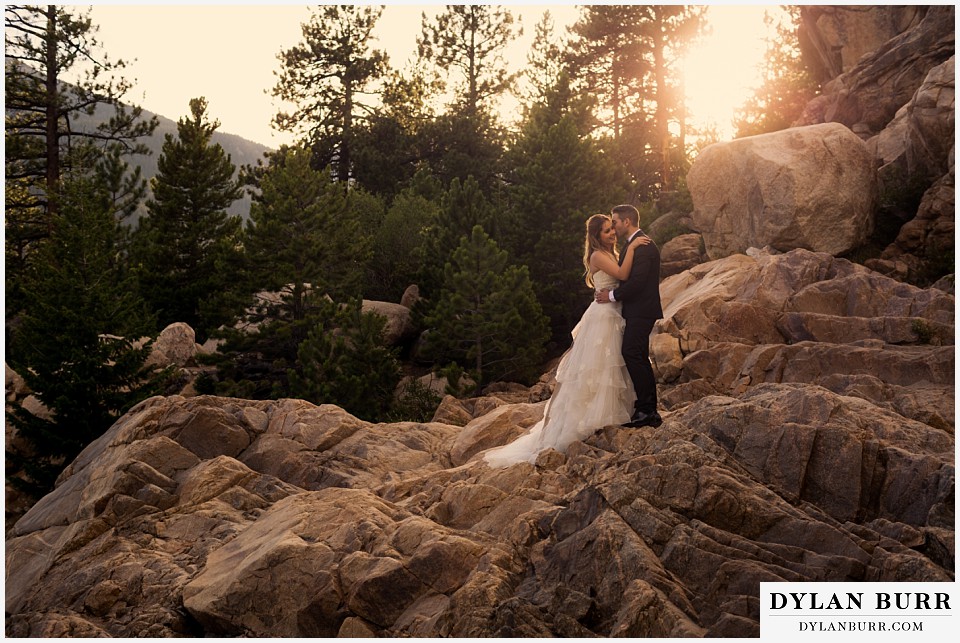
x=228, y=53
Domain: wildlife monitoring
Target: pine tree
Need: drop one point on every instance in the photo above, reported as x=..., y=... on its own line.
x=73, y=346
x=487, y=318
x=44, y=120
x=343, y=361
x=462, y=207
x=544, y=63
x=326, y=76
x=399, y=246
x=305, y=234
x=626, y=56
x=559, y=178
x=392, y=144
x=305, y=240
x=182, y=246
x=470, y=39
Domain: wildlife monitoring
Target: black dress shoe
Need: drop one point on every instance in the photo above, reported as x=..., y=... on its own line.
x=644, y=419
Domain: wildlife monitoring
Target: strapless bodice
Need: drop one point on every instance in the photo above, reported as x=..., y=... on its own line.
x=603, y=281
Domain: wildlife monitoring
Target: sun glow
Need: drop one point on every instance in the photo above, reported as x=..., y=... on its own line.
x=721, y=71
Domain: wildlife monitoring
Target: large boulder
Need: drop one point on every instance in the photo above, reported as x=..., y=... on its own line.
x=806, y=187
x=175, y=346
x=399, y=327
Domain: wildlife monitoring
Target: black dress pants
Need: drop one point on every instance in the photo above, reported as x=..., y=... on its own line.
x=636, y=355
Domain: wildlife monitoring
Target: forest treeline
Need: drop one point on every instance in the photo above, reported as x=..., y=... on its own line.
x=398, y=177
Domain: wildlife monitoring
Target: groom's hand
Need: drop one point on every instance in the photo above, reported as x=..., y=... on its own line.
x=602, y=296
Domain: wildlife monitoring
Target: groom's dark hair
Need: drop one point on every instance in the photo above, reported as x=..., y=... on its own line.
x=628, y=212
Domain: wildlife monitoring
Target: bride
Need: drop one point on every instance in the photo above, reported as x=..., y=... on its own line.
x=593, y=386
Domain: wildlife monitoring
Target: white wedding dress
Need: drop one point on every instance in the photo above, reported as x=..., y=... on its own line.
x=593, y=386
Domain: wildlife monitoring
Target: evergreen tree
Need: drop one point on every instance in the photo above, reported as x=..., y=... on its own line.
x=544, y=63
x=605, y=59
x=470, y=39
x=786, y=85
x=399, y=246
x=343, y=361
x=43, y=120
x=459, y=145
x=326, y=77
x=391, y=146
x=668, y=31
x=182, y=247
x=625, y=56
x=305, y=234
x=487, y=318
x=304, y=240
x=462, y=207
x=559, y=178
x=73, y=345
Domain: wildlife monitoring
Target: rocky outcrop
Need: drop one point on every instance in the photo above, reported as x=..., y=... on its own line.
x=919, y=140
x=681, y=253
x=808, y=187
x=808, y=435
x=809, y=318
x=866, y=97
x=324, y=525
x=889, y=75
x=835, y=38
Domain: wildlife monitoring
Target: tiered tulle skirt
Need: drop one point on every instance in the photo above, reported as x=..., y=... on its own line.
x=593, y=390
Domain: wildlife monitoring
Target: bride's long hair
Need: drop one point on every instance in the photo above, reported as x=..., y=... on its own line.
x=591, y=243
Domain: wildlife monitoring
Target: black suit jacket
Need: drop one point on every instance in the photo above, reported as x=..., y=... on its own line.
x=640, y=292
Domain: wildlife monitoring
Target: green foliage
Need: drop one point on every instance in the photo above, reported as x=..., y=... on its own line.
x=470, y=39
x=454, y=375
x=559, y=178
x=70, y=345
x=42, y=129
x=325, y=77
x=305, y=234
x=461, y=145
x=487, y=318
x=544, y=63
x=343, y=361
x=415, y=403
x=255, y=364
x=462, y=207
x=398, y=246
x=923, y=330
x=305, y=240
x=183, y=249
x=628, y=57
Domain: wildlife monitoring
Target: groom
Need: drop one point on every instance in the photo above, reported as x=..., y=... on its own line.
x=640, y=295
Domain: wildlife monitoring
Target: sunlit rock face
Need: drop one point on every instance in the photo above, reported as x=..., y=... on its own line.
x=808, y=435
x=805, y=187
x=835, y=38
x=866, y=96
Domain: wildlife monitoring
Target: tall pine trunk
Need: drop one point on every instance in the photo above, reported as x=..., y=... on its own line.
x=52, y=114
x=663, y=132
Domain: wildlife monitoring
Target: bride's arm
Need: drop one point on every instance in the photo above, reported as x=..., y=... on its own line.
x=603, y=261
